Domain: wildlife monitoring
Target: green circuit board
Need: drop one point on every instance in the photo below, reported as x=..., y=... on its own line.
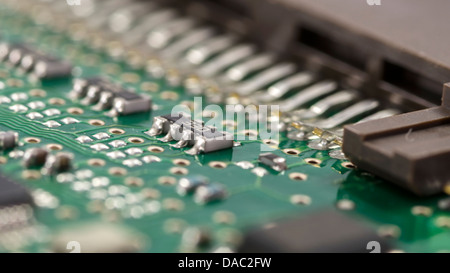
x=143, y=200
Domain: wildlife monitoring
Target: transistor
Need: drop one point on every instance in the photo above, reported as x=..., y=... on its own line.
x=59, y=163
x=109, y=95
x=275, y=162
x=161, y=124
x=8, y=140
x=42, y=65
x=81, y=86
x=189, y=184
x=210, y=193
x=35, y=157
x=188, y=132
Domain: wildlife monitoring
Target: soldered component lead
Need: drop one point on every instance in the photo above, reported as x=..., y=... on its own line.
x=42, y=65
x=348, y=114
x=109, y=95
x=191, y=38
x=381, y=114
x=137, y=34
x=125, y=18
x=323, y=106
x=265, y=78
x=203, y=52
x=304, y=96
x=282, y=87
x=188, y=132
x=161, y=124
x=241, y=71
x=226, y=59
x=161, y=36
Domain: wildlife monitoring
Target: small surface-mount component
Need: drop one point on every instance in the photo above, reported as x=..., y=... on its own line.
x=12, y=194
x=81, y=86
x=59, y=163
x=275, y=162
x=35, y=157
x=321, y=232
x=210, y=193
x=411, y=150
x=187, y=185
x=188, y=132
x=107, y=95
x=30, y=60
x=8, y=140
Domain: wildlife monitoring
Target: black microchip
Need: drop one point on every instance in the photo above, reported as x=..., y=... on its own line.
x=129, y=96
x=324, y=232
x=173, y=118
x=12, y=193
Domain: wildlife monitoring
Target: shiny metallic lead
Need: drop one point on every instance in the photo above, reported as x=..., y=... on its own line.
x=154, y=19
x=125, y=18
x=381, y=114
x=191, y=39
x=306, y=95
x=188, y=132
x=109, y=95
x=163, y=35
x=265, y=78
x=201, y=53
x=321, y=107
x=348, y=114
x=161, y=124
x=241, y=71
x=226, y=59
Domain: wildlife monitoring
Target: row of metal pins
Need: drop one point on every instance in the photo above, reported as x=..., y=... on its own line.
x=215, y=55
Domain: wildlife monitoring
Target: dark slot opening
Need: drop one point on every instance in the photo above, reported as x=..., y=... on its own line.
x=233, y=6
x=412, y=82
x=340, y=50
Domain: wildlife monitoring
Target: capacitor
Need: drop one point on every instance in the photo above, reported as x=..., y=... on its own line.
x=59, y=163
x=35, y=157
x=8, y=140
x=275, y=162
x=187, y=185
x=210, y=193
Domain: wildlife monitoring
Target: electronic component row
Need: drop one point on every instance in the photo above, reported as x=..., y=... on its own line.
x=29, y=59
x=107, y=95
x=188, y=132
